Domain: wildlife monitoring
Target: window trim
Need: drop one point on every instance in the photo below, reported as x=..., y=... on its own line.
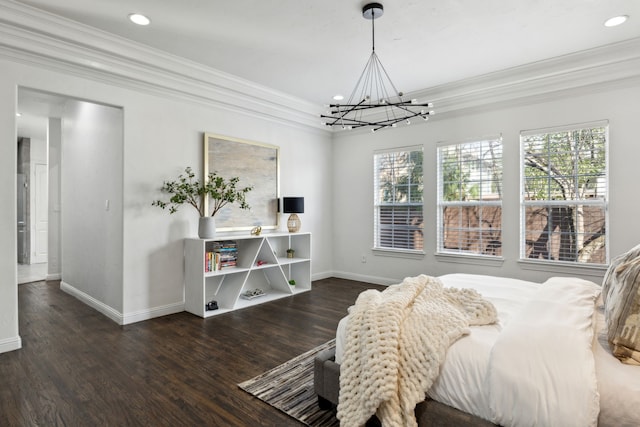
x=563, y=266
x=389, y=251
x=451, y=255
x=399, y=253
x=595, y=270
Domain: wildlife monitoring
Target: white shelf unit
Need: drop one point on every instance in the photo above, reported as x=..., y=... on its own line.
x=226, y=286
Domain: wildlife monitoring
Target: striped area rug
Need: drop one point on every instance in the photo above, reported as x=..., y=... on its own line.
x=289, y=388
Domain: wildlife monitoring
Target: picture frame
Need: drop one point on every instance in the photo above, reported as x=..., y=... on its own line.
x=256, y=164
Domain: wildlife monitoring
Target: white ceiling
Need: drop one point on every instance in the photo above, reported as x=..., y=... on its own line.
x=316, y=49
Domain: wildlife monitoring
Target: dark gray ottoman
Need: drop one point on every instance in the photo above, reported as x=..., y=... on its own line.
x=326, y=383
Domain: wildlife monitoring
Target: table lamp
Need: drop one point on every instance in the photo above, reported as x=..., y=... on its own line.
x=293, y=206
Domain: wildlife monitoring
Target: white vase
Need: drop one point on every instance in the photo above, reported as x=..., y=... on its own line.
x=207, y=227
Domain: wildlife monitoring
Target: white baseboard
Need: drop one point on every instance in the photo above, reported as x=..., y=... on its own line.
x=55, y=276
x=147, y=314
x=115, y=315
x=10, y=344
x=322, y=275
x=103, y=308
x=363, y=278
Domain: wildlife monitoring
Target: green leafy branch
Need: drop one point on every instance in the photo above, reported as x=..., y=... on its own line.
x=224, y=192
x=189, y=190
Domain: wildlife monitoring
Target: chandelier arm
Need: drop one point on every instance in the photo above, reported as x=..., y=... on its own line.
x=390, y=122
x=411, y=104
x=344, y=113
x=352, y=122
x=355, y=121
x=413, y=113
x=354, y=108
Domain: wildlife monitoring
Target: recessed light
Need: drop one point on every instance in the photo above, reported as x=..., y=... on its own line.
x=139, y=19
x=338, y=97
x=616, y=20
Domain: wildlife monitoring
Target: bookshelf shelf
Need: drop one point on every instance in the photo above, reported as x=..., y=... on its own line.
x=260, y=262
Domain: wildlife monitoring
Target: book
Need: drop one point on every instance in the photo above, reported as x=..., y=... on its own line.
x=224, y=254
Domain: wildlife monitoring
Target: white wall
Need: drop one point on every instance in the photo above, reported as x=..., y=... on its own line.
x=9, y=337
x=353, y=166
x=169, y=138
x=91, y=177
x=54, y=139
x=162, y=135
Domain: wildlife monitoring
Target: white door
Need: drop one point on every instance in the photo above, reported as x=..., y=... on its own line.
x=41, y=213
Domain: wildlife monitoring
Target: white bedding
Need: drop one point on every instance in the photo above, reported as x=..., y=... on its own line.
x=397, y=340
x=463, y=379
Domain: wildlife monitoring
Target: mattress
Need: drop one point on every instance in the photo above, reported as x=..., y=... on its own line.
x=460, y=383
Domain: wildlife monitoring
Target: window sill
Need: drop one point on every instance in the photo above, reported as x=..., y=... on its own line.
x=565, y=268
x=398, y=253
x=491, y=261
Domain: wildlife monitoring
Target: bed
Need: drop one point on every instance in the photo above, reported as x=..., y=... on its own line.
x=478, y=385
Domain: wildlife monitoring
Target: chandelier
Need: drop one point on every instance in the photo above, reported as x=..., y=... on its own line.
x=375, y=94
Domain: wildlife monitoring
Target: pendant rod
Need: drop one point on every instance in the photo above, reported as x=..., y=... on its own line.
x=373, y=31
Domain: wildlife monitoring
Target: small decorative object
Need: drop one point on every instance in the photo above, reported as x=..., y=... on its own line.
x=252, y=293
x=260, y=262
x=293, y=206
x=290, y=253
x=211, y=305
x=187, y=189
x=207, y=227
x=292, y=282
x=255, y=231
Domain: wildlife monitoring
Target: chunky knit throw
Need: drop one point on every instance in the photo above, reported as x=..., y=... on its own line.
x=396, y=342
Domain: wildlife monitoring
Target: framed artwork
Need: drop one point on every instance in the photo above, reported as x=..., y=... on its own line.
x=257, y=165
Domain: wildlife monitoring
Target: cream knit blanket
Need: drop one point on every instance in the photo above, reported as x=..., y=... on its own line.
x=396, y=341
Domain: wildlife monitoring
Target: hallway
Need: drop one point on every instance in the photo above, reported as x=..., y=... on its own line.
x=28, y=273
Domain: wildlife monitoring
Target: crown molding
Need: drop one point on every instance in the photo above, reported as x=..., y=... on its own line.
x=576, y=73
x=601, y=68
x=30, y=35
x=39, y=38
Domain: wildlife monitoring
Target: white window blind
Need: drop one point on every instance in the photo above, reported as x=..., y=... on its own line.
x=398, y=199
x=564, y=194
x=470, y=197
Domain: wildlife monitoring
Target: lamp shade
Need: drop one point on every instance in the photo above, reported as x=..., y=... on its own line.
x=293, y=205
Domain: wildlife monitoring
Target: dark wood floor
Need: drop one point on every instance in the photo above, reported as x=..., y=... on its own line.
x=78, y=368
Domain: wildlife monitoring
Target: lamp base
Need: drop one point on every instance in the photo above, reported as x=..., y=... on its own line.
x=294, y=223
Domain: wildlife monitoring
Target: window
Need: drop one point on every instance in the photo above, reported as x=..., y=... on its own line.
x=564, y=194
x=398, y=187
x=470, y=198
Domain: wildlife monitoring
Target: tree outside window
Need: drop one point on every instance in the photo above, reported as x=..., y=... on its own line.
x=398, y=199
x=470, y=198
x=564, y=195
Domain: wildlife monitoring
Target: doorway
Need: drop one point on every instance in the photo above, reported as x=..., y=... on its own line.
x=92, y=149
x=32, y=179
x=32, y=215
